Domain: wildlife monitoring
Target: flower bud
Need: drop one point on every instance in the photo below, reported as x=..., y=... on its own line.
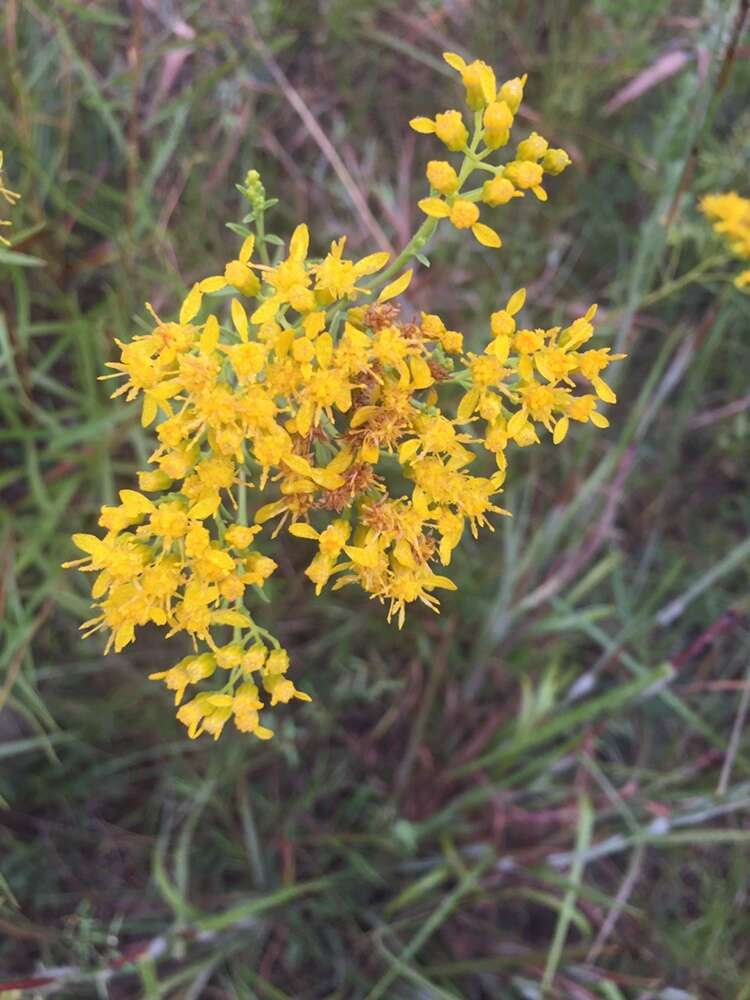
x=254, y=658
x=490, y=407
x=453, y=342
x=512, y=92
x=450, y=129
x=555, y=161
x=153, y=482
x=198, y=668
x=277, y=662
x=464, y=214
x=532, y=148
x=242, y=278
x=497, y=119
x=524, y=174
x=502, y=323
x=479, y=80
x=432, y=325
x=442, y=176
x=229, y=656
x=254, y=191
x=239, y=536
x=498, y=191
x=246, y=699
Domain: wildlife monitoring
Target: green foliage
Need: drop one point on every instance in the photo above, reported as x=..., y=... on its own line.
x=550, y=782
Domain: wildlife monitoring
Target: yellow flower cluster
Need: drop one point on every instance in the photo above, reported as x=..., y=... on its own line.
x=10, y=196
x=494, y=110
x=295, y=394
x=730, y=214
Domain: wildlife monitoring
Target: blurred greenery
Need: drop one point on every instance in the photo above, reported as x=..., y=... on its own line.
x=542, y=792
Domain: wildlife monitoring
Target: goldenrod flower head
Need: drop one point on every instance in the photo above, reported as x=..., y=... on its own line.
x=498, y=120
x=532, y=148
x=450, y=129
x=478, y=78
x=288, y=413
x=512, y=92
x=448, y=126
x=10, y=196
x=524, y=174
x=499, y=191
x=463, y=214
x=442, y=176
x=730, y=214
x=555, y=161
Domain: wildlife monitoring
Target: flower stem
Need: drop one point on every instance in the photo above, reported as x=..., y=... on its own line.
x=424, y=234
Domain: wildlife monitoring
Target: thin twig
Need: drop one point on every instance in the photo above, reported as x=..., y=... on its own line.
x=620, y=902
x=719, y=413
x=734, y=739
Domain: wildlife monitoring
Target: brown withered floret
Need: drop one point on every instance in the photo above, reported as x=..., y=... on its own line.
x=357, y=480
x=368, y=387
x=384, y=428
x=412, y=332
x=318, y=434
x=426, y=547
x=380, y=315
x=438, y=372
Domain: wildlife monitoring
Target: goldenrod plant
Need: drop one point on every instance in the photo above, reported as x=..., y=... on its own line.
x=730, y=216
x=297, y=394
x=11, y=197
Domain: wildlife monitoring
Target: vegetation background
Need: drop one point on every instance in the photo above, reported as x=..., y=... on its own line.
x=542, y=792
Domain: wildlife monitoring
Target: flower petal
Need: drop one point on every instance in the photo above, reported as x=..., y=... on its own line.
x=191, y=305
x=426, y=126
x=561, y=429
x=239, y=318
x=435, y=208
x=246, y=250
x=213, y=284
x=299, y=243
x=373, y=263
x=486, y=235
x=396, y=287
x=455, y=61
x=516, y=302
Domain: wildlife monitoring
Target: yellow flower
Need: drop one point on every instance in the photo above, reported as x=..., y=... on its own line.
x=463, y=214
x=555, y=161
x=308, y=404
x=497, y=120
x=478, y=78
x=730, y=214
x=499, y=191
x=336, y=278
x=532, y=148
x=448, y=126
x=526, y=175
x=442, y=176
x=237, y=273
x=512, y=92
x=10, y=196
x=290, y=280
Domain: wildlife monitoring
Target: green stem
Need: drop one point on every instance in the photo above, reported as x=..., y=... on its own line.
x=261, y=232
x=416, y=244
x=241, y=520
x=424, y=234
x=670, y=287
